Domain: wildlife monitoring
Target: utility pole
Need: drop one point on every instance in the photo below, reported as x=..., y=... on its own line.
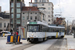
x=67, y=27
x=14, y=19
x=28, y=14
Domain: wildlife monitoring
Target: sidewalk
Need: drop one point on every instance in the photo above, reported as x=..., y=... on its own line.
x=70, y=42
x=4, y=46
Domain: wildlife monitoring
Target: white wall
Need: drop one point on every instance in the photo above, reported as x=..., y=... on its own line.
x=4, y=21
x=47, y=11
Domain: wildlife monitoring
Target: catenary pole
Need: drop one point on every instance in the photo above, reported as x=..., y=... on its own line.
x=14, y=19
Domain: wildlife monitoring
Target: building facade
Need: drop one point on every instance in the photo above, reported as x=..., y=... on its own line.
x=45, y=7
x=31, y=14
x=0, y=8
x=4, y=23
x=19, y=5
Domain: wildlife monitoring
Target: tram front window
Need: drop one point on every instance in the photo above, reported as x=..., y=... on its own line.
x=33, y=28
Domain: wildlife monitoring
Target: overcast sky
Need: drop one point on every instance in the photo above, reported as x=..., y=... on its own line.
x=66, y=7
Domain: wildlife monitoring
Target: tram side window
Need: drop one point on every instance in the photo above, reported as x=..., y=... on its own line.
x=33, y=28
x=44, y=29
x=62, y=30
x=51, y=29
x=57, y=29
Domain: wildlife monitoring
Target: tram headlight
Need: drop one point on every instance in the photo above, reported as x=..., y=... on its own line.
x=32, y=34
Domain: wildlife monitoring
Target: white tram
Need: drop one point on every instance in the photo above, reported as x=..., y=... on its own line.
x=39, y=31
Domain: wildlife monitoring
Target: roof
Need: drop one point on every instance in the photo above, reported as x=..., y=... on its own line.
x=30, y=9
x=4, y=15
x=45, y=24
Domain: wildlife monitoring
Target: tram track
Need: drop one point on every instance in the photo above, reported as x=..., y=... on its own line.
x=59, y=45
x=26, y=46
x=23, y=47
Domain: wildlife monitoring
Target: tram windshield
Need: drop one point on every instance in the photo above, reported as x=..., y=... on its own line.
x=33, y=28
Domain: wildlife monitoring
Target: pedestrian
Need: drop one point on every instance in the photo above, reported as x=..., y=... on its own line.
x=17, y=33
x=11, y=31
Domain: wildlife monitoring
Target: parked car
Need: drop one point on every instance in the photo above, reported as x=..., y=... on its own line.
x=5, y=33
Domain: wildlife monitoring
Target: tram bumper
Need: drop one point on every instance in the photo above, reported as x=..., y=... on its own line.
x=34, y=39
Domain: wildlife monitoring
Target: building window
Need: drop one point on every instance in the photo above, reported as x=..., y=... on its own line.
x=49, y=20
x=35, y=0
x=43, y=0
x=23, y=13
x=12, y=5
x=12, y=15
x=39, y=0
x=49, y=8
x=49, y=4
x=27, y=17
x=18, y=15
x=35, y=17
x=18, y=10
x=41, y=9
x=18, y=21
x=35, y=13
x=31, y=13
x=18, y=5
x=35, y=5
x=48, y=15
x=12, y=10
x=12, y=21
x=0, y=25
x=4, y=24
x=42, y=4
x=23, y=17
x=31, y=18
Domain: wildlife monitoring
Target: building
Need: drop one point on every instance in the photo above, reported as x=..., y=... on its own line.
x=45, y=7
x=19, y=5
x=4, y=24
x=0, y=8
x=4, y=21
x=60, y=21
x=4, y=15
x=31, y=14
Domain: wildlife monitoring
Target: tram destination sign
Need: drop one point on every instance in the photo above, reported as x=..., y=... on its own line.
x=32, y=22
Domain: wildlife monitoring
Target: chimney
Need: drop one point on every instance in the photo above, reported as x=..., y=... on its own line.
x=0, y=8
x=31, y=1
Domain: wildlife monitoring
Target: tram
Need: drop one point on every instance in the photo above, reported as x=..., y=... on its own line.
x=39, y=31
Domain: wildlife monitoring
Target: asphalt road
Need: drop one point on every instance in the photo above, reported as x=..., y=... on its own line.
x=59, y=44
x=51, y=44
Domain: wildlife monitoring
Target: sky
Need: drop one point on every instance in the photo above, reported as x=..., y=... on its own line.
x=66, y=7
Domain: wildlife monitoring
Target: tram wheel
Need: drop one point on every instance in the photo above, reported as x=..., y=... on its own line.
x=62, y=37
